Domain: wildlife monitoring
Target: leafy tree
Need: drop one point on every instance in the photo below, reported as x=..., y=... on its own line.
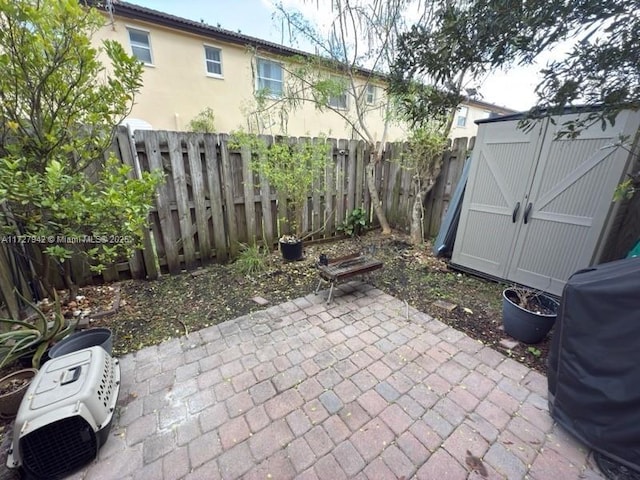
x=423, y=158
x=473, y=38
x=58, y=108
x=363, y=35
x=203, y=122
x=291, y=169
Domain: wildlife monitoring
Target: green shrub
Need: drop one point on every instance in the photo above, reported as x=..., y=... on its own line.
x=354, y=224
x=253, y=260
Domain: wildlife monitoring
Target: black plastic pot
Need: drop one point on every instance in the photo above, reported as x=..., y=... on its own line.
x=291, y=251
x=93, y=337
x=26, y=361
x=524, y=325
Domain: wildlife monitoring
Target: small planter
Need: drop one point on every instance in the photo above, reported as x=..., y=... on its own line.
x=12, y=390
x=291, y=251
x=93, y=337
x=531, y=324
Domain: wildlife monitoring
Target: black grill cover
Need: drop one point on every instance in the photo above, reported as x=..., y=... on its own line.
x=594, y=361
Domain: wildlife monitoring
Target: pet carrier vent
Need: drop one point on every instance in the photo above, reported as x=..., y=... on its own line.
x=66, y=414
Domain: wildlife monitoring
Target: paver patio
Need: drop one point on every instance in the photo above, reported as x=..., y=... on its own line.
x=366, y=387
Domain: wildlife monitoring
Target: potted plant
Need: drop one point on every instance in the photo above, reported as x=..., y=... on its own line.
x=21, y=338
x=12, y=389
x=527, y=315
x=290, y=168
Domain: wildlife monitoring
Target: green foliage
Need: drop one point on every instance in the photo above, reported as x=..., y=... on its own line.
x=252, y=260
x=625, y=190
x=354, y=224
x=204, y=122
x=424, y=150
x=24, y=338
x=58, y=109
x=600, y=68
x=290, y=168
x=534, y=351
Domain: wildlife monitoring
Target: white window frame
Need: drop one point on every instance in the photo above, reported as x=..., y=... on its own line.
x=148, y=46
x=272, y=93
x=206, y=61
x=370, y=94
x=461, y=116
x=335, y=100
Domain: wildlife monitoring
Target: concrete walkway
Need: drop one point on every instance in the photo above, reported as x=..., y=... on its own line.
x=364, y=388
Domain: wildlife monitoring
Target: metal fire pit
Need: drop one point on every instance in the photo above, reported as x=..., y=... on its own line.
x=333, y=271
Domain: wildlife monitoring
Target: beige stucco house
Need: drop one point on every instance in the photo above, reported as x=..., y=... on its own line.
x=189, y=66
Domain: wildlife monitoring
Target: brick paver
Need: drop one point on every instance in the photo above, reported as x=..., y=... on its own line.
x=357, y=389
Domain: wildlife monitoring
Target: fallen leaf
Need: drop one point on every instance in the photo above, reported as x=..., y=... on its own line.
x=475, y=464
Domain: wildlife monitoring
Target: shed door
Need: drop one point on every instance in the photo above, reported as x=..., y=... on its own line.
x=570, y=201
x=502, y=164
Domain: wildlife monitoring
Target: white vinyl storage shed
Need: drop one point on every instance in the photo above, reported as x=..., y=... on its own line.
x=537, y=207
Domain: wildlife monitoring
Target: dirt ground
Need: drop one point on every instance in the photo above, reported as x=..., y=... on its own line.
x=151, y=312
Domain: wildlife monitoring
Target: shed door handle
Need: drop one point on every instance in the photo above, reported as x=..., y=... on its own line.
x=527, y=211
x=514, y=215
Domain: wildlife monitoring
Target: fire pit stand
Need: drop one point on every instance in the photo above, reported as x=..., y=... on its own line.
x=342, y=268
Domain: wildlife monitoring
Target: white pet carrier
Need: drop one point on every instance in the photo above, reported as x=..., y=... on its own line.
x=66, y=414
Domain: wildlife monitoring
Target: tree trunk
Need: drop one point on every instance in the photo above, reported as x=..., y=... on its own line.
x=416, y=235
x=373, y=192
x=43, y=271
x=70, y=284
x=423, y=187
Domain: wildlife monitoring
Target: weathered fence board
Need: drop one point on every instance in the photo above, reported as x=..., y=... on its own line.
x=359, y=178
x=227, y=182
x=163, y=199
x=341, y=179
x=248, y=191
x=199, y=196
x=215, y=196
x=437, y=201
x=330, y=191
x=179, y=176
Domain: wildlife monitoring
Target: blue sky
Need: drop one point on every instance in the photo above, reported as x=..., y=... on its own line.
x=251, y=17
x=513, y=89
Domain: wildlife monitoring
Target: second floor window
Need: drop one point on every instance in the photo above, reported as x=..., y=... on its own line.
x=213, y=59
x=140, y=45
x=370, y=94
x=462, y=114
x=339, y=101
x=269, y=77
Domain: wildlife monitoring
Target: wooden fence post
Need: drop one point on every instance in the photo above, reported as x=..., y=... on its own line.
x=215, y=196
x=330, y=189
x=227, y=186
x=199, y=195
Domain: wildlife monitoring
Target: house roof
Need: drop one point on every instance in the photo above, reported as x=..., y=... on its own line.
x=490, y=106
x=137, y=12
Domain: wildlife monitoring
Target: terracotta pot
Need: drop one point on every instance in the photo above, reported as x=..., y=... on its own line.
x=10, y=402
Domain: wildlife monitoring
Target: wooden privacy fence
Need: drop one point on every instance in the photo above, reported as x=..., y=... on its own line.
x=212, y=201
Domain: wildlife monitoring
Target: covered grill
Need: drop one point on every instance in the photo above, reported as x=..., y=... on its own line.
x=594, y=362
